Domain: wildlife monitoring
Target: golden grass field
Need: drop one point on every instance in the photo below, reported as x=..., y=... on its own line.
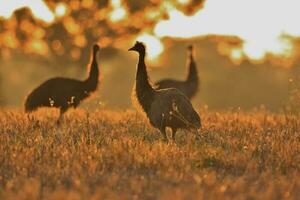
x=118, y=155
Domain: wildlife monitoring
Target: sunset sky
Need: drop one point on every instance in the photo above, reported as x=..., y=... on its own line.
x=263, y=26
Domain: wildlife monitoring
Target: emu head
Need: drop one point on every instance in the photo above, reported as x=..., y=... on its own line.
x=190, y=47
x=96, y=48
x=139, y=47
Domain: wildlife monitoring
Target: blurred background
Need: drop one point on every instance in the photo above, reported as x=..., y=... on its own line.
x=247, y=52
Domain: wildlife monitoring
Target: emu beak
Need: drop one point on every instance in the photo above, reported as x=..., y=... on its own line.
x=131, y=49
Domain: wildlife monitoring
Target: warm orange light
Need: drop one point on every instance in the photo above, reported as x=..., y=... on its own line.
x=154, y=45
x=72, y=26
x=183, y=2
x=261, y=25
x=9, y=39
x=87, y=3
x=119, y=12
x=80, y=40
x=236, y=55
x=36, y=46
x=266, y=28
x=38, y=8
x=60, y=10
x=75, y=53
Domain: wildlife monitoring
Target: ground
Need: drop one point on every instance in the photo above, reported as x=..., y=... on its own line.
x=118, y=155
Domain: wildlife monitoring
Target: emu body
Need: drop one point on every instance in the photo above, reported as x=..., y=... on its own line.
x=190, y=86
x=163, y=107
x=64, y=93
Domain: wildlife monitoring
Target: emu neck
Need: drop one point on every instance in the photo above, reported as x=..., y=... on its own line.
x=92, y=81
x=144, y=90
x=192, y=72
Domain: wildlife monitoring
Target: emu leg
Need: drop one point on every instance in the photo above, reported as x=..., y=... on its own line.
x=163, y=128
x=61, y=115
x=197, y=134
x=163, y=132
x=174, y=130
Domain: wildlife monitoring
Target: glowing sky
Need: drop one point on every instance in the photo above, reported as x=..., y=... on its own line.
x=38, y=8
x=264, y=26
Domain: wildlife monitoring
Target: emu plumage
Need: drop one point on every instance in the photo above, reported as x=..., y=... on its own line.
x=64, y=93
x=165, y=107
x=190, y=86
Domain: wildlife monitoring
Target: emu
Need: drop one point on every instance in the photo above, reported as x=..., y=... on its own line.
x=163, y=107
x=64, y=93
x=190, y=86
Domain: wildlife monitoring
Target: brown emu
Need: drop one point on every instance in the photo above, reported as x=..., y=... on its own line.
x=64, y=93
x=164, y=107
x=190, y=86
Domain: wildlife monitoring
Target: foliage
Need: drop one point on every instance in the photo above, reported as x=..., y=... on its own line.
x=81, y=24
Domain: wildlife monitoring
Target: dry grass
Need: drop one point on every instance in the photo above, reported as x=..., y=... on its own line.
x=116, y=155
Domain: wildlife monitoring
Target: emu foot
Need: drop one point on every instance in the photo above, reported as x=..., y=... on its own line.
x=164, y=135
x=165, y=140
x=197, y=136
x=59, y=122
